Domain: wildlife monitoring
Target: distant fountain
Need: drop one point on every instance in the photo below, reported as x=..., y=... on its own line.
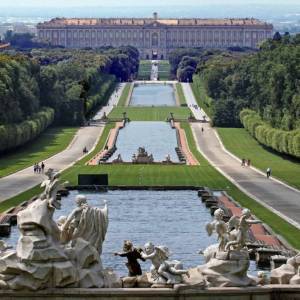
x=142, y=157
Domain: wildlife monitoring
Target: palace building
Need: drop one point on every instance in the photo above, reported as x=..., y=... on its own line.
x=154, y=37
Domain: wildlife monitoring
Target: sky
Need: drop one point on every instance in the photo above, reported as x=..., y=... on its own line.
x=111, y=3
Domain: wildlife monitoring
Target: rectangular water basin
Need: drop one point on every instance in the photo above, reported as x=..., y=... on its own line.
x=158, y=139
x=153, y=94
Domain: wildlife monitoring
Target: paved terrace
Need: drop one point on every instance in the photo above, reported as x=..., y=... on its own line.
x=87, y=136
x=277, y=196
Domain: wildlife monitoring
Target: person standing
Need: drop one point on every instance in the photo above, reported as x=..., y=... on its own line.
x=269, y=170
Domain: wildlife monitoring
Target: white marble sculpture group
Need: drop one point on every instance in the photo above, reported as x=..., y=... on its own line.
x=63, y=254
x=67, y=253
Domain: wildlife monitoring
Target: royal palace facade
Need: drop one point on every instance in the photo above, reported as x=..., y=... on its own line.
x=154, y=37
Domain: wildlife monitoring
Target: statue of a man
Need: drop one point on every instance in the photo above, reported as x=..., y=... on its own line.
x=132, y=254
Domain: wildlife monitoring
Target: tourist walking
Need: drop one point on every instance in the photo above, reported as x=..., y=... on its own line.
x=248, y=162
x=269, y=170
x=243, y=162
x=35, y=167
x=202, y=129
x=43, y=167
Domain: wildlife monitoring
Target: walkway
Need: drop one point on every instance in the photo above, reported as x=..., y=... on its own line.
x=191, y=102
x=190, y=158
x=87, y=136
x=278, y=197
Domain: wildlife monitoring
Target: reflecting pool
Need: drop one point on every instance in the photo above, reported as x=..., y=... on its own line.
x=153, y=94
x=158, y=138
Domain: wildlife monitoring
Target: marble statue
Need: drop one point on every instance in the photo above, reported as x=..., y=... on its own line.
x=242, y=227
x=87, y=223
x=220, y=227
x=53, y=254
x=3, y=247
x=132, y=254
x=227, y=263
x=142, y=156
x=162, y=270
x=288, y=273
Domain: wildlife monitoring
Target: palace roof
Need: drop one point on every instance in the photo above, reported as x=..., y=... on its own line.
x=62, y=22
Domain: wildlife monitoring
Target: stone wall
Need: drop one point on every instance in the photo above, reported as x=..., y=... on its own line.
x=257, y=293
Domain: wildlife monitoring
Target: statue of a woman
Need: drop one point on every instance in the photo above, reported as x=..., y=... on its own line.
x=88, y=223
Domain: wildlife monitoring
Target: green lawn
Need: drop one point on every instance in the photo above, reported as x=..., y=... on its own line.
x=150, y=113
x=124, y=96
x=52, y=141
x=14, y=201
x=181, y=97
x=144, y=70
x=164, y=70
x=203, y=100
x=243, y=145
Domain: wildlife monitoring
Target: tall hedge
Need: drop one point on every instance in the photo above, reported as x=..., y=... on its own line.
x=287, y=142
x=106, y=87
x=15, y=135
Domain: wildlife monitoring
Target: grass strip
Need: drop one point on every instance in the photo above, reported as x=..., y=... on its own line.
x=49, y=143
x=149, y=113
x=124, y=96
x=239, y=142
x=181, y=97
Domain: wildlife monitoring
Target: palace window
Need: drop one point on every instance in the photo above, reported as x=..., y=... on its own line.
x=186, y=36
x=154, y=39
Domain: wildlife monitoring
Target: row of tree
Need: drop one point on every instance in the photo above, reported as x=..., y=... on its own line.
x=287, y=142
x=184, y=61
x=15, y=135
x=72, y=82
x=266, y=81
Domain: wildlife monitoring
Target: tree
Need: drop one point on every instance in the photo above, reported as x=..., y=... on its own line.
x=185, y=74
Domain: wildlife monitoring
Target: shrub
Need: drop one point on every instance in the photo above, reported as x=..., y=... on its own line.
x=287, y=142
x=15, y=135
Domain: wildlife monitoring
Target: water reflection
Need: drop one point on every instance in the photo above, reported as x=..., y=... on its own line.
x=153, y=95
x=158, y=138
